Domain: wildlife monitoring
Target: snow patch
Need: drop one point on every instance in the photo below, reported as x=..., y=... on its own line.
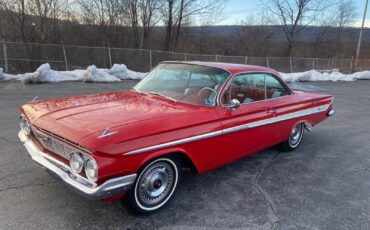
x=314, y=75
x=5, y=76
x=120, y=72
x=92, y=74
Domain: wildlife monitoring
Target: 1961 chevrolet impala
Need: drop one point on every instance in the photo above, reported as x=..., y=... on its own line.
x=182, y=114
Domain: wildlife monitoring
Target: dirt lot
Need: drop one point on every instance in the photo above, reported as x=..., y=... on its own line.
x=325, y=184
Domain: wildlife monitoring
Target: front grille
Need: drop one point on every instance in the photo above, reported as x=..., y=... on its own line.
x=54, y=145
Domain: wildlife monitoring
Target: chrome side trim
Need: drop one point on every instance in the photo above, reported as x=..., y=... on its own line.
x=284, y=117
x=77, y=182
x=172, y=143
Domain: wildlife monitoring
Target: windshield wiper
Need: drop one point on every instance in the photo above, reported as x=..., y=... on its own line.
x=161, y=95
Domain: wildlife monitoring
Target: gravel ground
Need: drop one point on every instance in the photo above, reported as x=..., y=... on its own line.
x=322, y=185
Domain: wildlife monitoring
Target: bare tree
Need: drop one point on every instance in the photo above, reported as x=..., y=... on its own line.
x=294, y=16
x=330, y=35
x=176, y=11
x=253, y=37
x=18, y=19
x=149, y=15
x=168, y=14
x=346, y=13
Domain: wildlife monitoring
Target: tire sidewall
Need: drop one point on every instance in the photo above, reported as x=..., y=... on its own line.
x=300, y=137
x=286, y=146
x=132, y=195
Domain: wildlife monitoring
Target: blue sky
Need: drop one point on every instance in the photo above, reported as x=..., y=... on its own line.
x=237, y=10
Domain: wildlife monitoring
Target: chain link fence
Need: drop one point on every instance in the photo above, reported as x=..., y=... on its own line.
x=17, y=57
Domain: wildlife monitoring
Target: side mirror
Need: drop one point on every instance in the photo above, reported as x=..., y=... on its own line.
x=234, y=105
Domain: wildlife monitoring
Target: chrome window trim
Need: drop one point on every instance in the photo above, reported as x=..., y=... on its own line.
x=231, y=77
x=313, y=110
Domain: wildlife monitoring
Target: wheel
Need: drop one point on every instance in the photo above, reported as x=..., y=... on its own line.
x=154, y=186
x=294, y=139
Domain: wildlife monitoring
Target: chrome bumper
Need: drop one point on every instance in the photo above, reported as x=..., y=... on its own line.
x=77, y=182
x=331, y=112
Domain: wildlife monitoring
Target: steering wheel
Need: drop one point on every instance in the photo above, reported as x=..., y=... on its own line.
x=204, y=88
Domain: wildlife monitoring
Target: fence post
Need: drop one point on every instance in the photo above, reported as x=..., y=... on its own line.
x=291, y=65
x=246, y=59
x=267, y=61
x=150, y=59
x=350, y=67
x=185, y=57
x=313, y=63
x=332, y=63
x=110, y=57
x=65, y=58
x=216, y=58
x=5, y=57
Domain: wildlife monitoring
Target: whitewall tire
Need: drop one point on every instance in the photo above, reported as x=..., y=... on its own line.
x=155, y=185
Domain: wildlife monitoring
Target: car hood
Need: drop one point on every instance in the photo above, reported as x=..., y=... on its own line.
x=75, y=118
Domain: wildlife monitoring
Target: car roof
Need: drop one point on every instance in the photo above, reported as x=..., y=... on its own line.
x=229, y=67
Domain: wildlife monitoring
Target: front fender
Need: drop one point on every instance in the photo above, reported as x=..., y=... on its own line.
x=167, y=151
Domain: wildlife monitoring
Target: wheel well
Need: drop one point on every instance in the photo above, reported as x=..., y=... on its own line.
x=186, y=162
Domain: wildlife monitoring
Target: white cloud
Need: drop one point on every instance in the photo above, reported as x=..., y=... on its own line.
x=358, y=23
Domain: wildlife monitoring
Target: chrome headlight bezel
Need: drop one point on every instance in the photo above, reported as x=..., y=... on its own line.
x=25, y=125
x=91, y=166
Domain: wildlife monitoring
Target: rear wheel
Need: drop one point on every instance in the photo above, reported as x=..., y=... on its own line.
x=294, y=139
x=155, y=185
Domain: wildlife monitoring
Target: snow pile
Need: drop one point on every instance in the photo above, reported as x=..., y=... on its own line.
x=92, y=74
x=120, y=72
x=314, y=75
x=5, y=76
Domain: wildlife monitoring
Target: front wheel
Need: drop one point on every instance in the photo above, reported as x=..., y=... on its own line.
x=155, y=185
x=294, y=139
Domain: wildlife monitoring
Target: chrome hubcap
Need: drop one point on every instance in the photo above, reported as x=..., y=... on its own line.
x=296, y=135
x=156, y=183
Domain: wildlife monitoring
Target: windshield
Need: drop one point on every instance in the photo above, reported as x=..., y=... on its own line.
x=182, y=82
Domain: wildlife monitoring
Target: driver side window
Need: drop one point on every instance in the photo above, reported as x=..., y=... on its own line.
x=245, y=88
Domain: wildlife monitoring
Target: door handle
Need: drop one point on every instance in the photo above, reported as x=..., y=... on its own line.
x=273, y=111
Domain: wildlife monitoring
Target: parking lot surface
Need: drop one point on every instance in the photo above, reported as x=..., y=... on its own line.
x=325, y=184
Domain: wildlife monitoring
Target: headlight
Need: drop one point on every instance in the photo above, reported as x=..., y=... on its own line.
x=76, y=162
x=91, y=169
x=25, y=126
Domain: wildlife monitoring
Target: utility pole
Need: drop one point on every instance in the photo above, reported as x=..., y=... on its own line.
x=360, y=36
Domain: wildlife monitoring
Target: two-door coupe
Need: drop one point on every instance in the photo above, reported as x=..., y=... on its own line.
x=198, y=115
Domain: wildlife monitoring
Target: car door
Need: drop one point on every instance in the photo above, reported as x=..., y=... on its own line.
x=244, y=129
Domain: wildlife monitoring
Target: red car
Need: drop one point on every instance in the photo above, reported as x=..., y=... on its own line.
x=182, y=114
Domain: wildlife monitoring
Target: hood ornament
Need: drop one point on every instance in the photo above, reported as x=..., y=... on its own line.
x=106, y=133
